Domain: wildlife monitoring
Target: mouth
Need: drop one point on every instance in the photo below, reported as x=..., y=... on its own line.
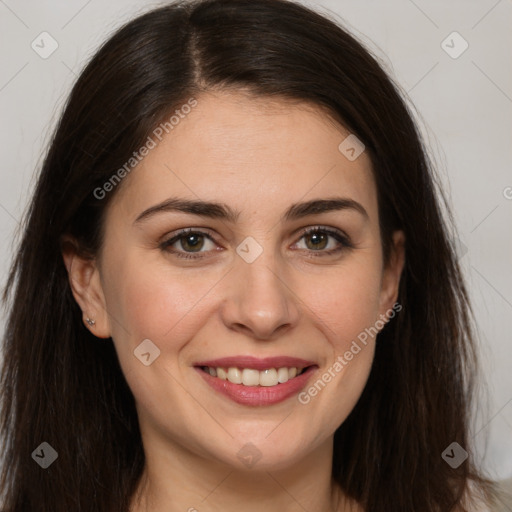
x=256, y=382
x=252, y=377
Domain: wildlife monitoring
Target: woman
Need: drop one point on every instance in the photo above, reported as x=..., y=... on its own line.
x=235, y=284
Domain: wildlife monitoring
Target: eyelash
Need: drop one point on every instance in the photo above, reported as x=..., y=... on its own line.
x=337, y=235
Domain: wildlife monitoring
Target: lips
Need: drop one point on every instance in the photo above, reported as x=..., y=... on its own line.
x=265, y=392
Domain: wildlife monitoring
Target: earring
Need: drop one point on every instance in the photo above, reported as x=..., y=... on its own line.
x=89, y=321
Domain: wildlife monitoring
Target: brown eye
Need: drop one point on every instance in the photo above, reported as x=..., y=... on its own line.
x=187, y=242
x=325, y=241
x=318, y=240
x=193, y=242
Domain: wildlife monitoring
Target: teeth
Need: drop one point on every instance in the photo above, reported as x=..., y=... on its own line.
x=234, y=376
x=251, y=377
x=283, y=374
x=268, y=377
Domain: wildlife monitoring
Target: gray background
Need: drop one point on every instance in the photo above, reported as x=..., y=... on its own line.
x=464, y=106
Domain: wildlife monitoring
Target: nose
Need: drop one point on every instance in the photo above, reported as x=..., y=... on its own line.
x=260, y=303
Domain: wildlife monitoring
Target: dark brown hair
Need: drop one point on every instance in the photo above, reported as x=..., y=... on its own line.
x=61, y=385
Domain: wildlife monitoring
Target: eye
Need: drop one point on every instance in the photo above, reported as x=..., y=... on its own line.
x=317, y=240
x=190, y=241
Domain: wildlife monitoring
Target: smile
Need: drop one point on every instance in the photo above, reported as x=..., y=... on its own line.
x=252, y=377
x=252, y=381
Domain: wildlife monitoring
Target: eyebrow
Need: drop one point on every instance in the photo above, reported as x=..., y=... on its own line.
x=222, y=211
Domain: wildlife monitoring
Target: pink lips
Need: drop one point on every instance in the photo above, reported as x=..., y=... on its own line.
x=257, y=395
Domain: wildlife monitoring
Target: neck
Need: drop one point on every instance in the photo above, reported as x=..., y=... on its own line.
x=175, y=479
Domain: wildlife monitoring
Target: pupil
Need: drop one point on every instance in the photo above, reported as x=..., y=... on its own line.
x=195, y=241
x=317, y=239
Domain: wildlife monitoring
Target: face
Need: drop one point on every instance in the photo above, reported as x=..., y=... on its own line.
x=282, y=275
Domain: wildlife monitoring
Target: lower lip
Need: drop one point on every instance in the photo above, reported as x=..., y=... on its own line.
x=258, y=395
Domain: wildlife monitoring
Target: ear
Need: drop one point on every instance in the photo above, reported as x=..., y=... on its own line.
x=392, y=272
x=85, y=283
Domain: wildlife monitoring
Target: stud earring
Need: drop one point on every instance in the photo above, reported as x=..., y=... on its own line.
x=89, y=321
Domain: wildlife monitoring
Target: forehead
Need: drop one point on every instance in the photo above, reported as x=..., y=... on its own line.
x=252, y=153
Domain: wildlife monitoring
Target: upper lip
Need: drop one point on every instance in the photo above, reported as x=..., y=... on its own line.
x=256, y=363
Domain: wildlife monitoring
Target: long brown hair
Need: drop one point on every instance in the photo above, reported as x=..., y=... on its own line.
x=62, y=386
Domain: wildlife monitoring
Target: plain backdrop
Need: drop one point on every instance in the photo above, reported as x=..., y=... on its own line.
x=464, y=104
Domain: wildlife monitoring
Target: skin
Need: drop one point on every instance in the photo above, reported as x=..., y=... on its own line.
x=259, y=157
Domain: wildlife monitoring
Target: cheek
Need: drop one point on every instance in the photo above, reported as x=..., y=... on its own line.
x=346, y=311
x=148, y=298
x=347, y=302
